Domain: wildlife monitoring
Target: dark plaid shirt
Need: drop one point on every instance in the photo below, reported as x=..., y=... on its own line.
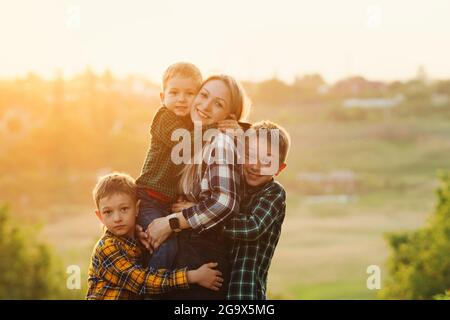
x=218, y=192
x=255, y=232
x=115, y=272
x=159, y=172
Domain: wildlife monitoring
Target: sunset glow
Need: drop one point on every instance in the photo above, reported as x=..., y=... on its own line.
x=253, y=40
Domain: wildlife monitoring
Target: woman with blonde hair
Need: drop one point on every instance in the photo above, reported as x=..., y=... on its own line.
x=212, y=187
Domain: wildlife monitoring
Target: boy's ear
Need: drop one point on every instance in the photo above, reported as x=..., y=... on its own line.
x=138, y=203
x=99, y=216
x=161, y=96
x=282, y=166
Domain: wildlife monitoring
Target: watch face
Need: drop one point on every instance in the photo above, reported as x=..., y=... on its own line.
x=174, y=223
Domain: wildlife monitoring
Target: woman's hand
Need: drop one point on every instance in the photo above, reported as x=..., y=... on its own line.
x=158, y=231
x=180, y=205
x=143, y=238
x=206, y=276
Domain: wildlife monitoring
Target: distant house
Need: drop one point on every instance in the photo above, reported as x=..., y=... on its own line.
x=439, y=99
x=375, y=103
x=356, y=86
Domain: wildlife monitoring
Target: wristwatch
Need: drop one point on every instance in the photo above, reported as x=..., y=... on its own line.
x=174, y=222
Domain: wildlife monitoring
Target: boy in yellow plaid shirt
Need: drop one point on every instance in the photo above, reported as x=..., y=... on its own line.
x=115, y=271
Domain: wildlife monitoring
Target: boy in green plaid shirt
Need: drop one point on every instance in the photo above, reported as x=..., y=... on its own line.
x=159, y=176
x=255, y=231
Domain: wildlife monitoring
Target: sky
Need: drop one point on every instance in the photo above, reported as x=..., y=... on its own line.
x=248, y=39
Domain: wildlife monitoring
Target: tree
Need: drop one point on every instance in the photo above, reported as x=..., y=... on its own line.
x=28, y=268
x=420, y=262
x=309, y=85
x=273, y=92
x=445, y=296
x=443, y=87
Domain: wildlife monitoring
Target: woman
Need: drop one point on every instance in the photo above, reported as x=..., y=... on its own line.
x=212, y=187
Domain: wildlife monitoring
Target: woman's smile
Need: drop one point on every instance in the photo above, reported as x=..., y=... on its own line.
x=202, y=114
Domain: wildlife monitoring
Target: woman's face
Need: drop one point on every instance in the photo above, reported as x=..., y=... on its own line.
x=212, y=103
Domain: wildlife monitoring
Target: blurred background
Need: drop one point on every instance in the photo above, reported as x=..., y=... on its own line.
x=363, y=87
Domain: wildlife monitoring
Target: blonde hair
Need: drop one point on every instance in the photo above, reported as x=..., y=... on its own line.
x=239, y=107
x=284, y=138
x=114, y=183
x=183, y=70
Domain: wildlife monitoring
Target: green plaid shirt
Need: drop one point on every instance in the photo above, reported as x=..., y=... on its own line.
x=255, y=232
x=159, y=172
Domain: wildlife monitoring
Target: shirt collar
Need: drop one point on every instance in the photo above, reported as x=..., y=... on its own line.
x=253, y=190
x=125, y=239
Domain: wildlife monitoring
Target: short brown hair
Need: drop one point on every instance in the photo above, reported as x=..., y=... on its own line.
x=284, y=138
x=184, y=70
x=114, y=183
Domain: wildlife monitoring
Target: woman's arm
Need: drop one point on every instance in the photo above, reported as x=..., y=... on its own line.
x=159, y=230
x=222, y=195
x=220, y=187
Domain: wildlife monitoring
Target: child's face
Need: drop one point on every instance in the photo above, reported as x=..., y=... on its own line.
x=259, y=171
x=118, y=213
x=178, y=95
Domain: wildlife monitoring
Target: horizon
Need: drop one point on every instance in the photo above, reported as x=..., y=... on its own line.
x=59, y=74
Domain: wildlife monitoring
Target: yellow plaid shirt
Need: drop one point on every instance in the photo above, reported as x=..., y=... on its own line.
x=115, y=272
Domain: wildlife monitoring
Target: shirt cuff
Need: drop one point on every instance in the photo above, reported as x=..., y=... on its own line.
x=181, y=279
x=192, y=219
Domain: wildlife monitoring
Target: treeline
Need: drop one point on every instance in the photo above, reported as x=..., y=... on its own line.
x=88, y=88
x=94, y=113
x=311, y=89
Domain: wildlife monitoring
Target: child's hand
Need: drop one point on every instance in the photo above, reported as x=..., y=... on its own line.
x=143, y=238
x=178, y=206
x=206, y=276
x=230, y=123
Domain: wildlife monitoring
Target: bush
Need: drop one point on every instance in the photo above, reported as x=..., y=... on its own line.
x=420, y=262
x=28, y=268
x=445, y=296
